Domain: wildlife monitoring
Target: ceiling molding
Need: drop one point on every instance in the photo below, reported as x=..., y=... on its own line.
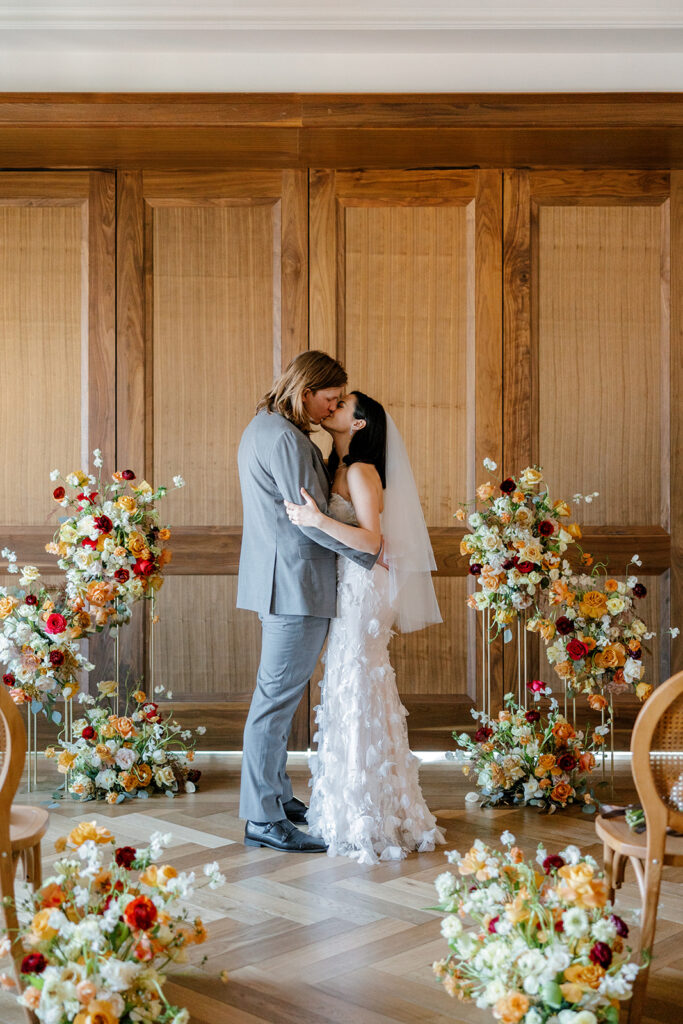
x=181, y=15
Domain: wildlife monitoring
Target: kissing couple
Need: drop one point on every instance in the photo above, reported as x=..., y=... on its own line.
x=338, y=551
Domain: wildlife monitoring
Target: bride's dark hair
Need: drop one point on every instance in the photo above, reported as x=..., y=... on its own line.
x=368, y=444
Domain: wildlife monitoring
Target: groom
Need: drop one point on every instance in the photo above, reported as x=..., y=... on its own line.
x=288, y=575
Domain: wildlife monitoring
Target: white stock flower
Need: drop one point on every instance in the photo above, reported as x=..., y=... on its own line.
x=178, y=481
x=201, y=729
x=119, y=974
x=97, y=457
x=507, y=838
x=674, y=631
x=451, y=927
x=54, y=474
x=571, y=854
x=445, y=885
x=603, y=930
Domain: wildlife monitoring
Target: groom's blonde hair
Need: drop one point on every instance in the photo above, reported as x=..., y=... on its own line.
x=314, y=370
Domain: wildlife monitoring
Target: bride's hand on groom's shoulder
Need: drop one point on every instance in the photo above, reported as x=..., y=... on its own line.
x=304, y=515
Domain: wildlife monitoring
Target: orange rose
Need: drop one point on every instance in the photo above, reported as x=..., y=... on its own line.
x=612, y=656
x=580, y=887
x=136, y=543
x=547, y=629
x=588, y=641
x=586, y=762
x=611, y=586
x=128, y=781
x=545, y=763
x=125, y=727
x=560, y=593
x=100, y=592
x=166, y=556
x=164, y=533
x=143, y=774
x=511, y=1008
x=563, y=732
x=127, y=503
x=518, y=497
x=597, y=702
x=561, y=793
x=52, y=895
x=7, y=604
x=586, y=975
x=89, y=830
x=490, y=579
x=593, y=604
x=565, y=670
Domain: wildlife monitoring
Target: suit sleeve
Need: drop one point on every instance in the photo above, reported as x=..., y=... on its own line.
x=292, y=469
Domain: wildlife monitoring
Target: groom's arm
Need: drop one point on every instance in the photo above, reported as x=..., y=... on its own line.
x=291, y=470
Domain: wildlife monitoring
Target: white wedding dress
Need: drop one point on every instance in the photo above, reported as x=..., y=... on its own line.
x=366, y=801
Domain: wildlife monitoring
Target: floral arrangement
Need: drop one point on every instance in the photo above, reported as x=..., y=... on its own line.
x=37, y=643
x=595, y=643
x=111, y=545
x=101, y=930
x=546, y=945
x=113, y=757
x=523, y=757
x=516, y=542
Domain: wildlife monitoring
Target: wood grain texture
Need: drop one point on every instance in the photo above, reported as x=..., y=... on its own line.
x=676, y=428
x=316, y=940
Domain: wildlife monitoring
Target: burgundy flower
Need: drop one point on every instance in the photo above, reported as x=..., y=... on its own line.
x=526, y=567
x=563, y=625
x=559, y=925
x=194, y=775
x=533, y=716
x=143, y=567
x=125, y=855
x=492, y=924
x=553, y=863
x=577, y=649
x=56, y=658
x=546, y=528
x=31, y=599
x=475, y=569
x=601, y=955
x=620, y=925
x=508, y=486
x=567, y=762
x=536, y=686
x=34, y=963
x=55, y=623
x=88, y=733
x=8, y=679
x=483, y=733
x=128, y=474
x=104, y=524
x=122, y=575
x=635, y=654
x=511, y=563
x=140, y=913
x=58, y=493
x=640, y=590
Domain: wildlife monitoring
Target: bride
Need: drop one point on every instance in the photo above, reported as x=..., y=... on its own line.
x=366, y=801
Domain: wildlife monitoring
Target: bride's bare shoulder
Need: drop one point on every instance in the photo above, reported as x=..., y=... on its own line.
x=364, y=476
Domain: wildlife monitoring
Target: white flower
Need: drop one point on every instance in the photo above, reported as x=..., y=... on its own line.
x=169, y=695
x=118, y=974
x=126, y=758
x=674, y=631
x=475, y=519
x=190, y=787
x=451, y=927
x=29, y=574
x=159, y=756
x=471, y=797
x=533, y=1017
x=445, y=885
x=571, y=855
x=106, y=779
x=636, y=560
x=97, y=457
x=575, y=921
x=507, y=838
x=178, y=481
x=54, y=474
x=201, y=729
x=603, y=930
x=181, y=1017
x=490, y=465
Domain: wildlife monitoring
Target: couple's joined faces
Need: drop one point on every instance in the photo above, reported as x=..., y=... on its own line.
x=320, y=404
x=344, y=416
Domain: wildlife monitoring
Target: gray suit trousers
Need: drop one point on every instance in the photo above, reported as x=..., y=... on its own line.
x=290, y=647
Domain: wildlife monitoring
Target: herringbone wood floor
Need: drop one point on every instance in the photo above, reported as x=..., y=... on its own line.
x=314, y=940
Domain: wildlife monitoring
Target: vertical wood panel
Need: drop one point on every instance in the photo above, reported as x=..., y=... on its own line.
x=676, y=421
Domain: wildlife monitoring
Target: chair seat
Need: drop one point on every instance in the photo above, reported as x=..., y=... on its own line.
x=617, y=834
x=27, y=825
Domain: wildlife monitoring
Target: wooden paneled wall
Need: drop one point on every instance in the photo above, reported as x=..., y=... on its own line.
x=527, y=315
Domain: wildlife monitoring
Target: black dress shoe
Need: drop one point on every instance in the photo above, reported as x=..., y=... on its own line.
x=295, y=811
x=282, y=835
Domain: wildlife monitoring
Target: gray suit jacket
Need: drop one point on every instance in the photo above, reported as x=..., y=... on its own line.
x=285, y=569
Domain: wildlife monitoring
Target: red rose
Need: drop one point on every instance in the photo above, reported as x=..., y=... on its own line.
x=140, y=913
x=150, y=711
x=8, y=679
x=526, y=567
x=601, y=955
x=125, y=855
x=58, y=493
x=55, y=623
x=563, y=625
x=128, y=474
x=56, y=658
x=567, y=762
x=31, y=599
x=640, y=590
x=122, y=575
x=90, y=498
x=552, y=863
x=536, y=686
x=34, y=963
x=483, y=733
x=576, y=649
x=143, y=567
x=546, y=528
x=104, y=524
x=87, y=543
x=88, y=733
x=508, y=486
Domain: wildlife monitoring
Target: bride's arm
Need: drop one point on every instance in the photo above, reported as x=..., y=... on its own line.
x=363, y=487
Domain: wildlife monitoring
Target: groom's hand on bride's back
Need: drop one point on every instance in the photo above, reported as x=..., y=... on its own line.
x=307, y=514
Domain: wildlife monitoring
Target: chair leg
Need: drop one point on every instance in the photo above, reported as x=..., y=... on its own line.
x=608, y=864
x=652, y=883
x=619, y=869
x=34, y=875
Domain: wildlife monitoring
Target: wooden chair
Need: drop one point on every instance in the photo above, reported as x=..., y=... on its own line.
x=21, y=828
x=657, y=765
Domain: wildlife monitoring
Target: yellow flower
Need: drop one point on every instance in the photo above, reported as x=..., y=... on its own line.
x=60, y=844
x=89, y=830
x=65, y=761
x=164, y=533
x=50, y=752
x=127, y=503
x=99, y=1011
x=107, y=687
x=7, y=604
x=143, y=488
x=643, y=691
x=530, y=477
x=460, y=515
x=139, y=696
x=561, y=508
x=158, y=877
x=580, y=887
x=484, y=491
x=136, y=543
x=467, y=546
x=593, y=604
x=574, y=530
